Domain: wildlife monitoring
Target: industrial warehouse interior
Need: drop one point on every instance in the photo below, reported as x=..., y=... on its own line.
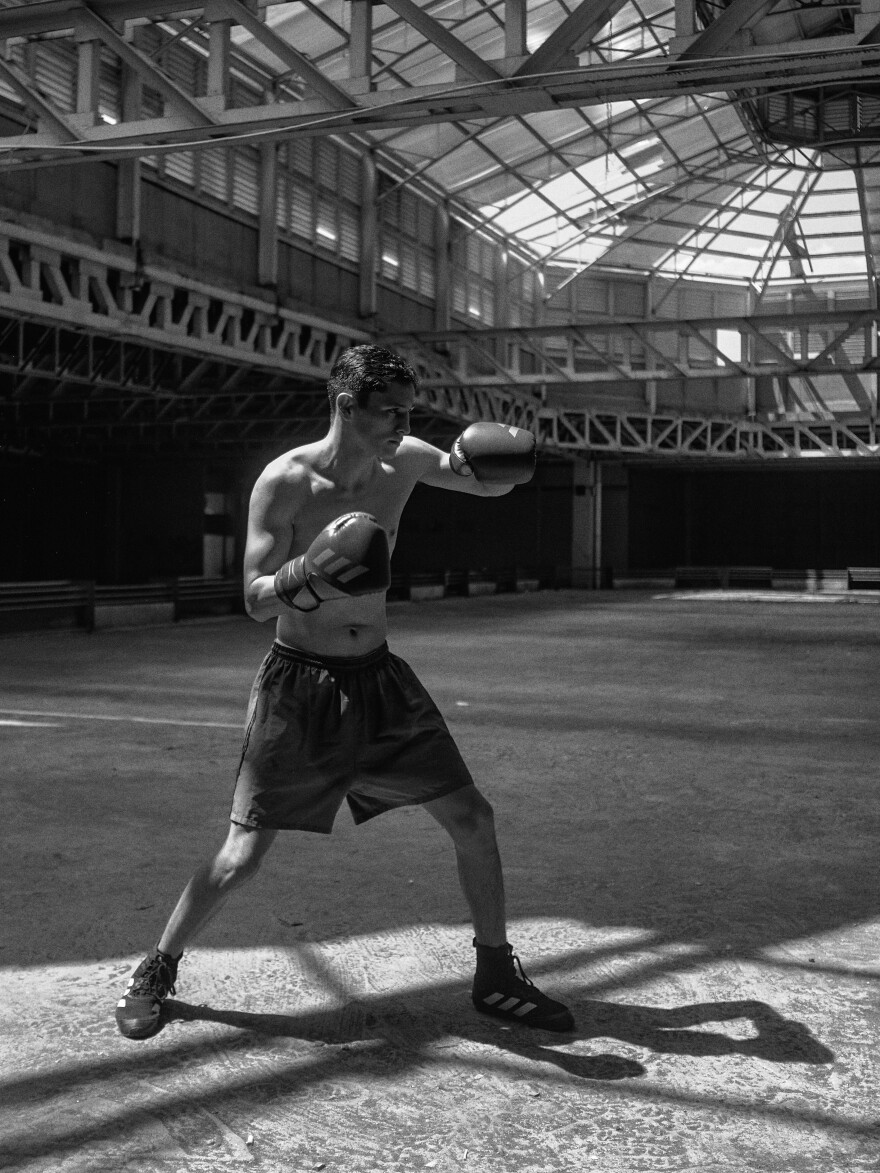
x=612, y=268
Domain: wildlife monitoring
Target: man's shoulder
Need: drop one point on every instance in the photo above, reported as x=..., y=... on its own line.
x=290, y=468
x=415, y=450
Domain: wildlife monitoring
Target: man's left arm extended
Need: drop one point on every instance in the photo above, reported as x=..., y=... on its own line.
x=487, y=460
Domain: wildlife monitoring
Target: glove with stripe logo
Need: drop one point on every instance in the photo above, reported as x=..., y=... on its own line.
x=350, y=554
x=494, y=454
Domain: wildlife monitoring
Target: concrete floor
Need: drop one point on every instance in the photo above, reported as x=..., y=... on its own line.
x=686, y=793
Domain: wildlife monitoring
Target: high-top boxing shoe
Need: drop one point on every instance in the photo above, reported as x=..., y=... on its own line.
x=502, y=992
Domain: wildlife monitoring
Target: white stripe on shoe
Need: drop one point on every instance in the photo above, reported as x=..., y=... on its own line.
x=492, y=999
x=525, y=1008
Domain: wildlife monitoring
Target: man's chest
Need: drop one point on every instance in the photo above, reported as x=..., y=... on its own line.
x=383, y=498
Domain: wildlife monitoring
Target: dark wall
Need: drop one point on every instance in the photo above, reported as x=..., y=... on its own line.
x=135, y=521
x=82, y=197
x=124, y=522
x=785, y=518
x=530, y=526
x=178, y=230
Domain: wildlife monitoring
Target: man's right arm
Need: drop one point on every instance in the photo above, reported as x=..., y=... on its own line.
x=271, y=516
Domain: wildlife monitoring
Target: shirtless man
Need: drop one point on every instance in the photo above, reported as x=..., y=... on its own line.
x=333, y=714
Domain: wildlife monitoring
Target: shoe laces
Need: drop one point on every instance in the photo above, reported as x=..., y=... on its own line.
x=522, y=973
x=157, y=978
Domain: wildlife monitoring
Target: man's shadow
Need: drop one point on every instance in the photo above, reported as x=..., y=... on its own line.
x=425, y=1018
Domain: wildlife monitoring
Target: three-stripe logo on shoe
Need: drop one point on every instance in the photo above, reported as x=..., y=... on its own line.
x=509, y=1004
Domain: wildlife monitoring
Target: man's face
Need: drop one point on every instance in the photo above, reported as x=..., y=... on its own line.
x=383, y=420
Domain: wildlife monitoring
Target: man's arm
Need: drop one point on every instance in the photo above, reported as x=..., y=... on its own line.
x=269, y=536
x=435, y=470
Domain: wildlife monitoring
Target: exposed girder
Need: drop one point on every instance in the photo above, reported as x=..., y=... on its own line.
x=336, y=105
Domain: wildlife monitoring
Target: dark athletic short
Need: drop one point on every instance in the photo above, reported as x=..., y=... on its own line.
x=321, y=729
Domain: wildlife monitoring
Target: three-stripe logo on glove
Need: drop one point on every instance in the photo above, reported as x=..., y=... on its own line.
x=338, y=563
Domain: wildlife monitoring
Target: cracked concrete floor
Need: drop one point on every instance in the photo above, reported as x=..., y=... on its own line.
x=686, y=794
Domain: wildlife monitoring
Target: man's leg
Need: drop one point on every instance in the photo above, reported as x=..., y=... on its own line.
x=498, y=989
x=237, y=861
x=467, y=817
x=137, y=1012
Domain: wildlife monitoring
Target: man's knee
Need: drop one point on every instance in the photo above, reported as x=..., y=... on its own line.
x=472, y=817
x=240, y=857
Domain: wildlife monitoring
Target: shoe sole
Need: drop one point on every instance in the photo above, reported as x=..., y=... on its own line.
x=560, y=1023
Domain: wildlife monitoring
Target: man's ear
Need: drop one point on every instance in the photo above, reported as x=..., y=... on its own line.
x=345, y=403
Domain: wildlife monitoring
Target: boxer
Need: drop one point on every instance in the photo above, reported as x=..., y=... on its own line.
x=334, y=715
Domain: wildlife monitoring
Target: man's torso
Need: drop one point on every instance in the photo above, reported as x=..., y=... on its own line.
x=351, y=626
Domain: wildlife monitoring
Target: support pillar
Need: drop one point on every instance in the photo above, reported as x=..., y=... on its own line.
x=369, y=236
x=219, y=63
x=267, y=247
x=596, y=522
x=88, y=79
x=360, y=49
x=441, y=267
x=128, y=171
x=582, y=525
x=515, y=23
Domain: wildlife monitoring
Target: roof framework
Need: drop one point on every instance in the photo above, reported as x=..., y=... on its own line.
x=606, y=135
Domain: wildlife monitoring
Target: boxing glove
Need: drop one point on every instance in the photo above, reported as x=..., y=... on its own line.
x=494, y=453
x=350, y=554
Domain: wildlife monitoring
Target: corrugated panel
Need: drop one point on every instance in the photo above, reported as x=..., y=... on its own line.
x=409, y=214
x=389, y=210
x=17, y=57
x=427, y=275
x=327, y=165
x=349, y=176
x=299, y=155
x=245, y=181
x=54, y=73
x=282, y=203
x=389, y=258
x=302, y=220
x=214, y=180
x=590, y=296
x=110, y=101
x=409, y=276
x=181, y=166
x=152, y=103
x=183, y=67
x=459, y=294
x=349, y=234
x=242, y=94
x=629, y=300
x=426, y=222
x=326, y=232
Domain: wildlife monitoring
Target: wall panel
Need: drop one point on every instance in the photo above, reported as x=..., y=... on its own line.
x=785, y=518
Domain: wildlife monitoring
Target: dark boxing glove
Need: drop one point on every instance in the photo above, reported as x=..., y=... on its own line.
x=350, y=554
x=494, y=453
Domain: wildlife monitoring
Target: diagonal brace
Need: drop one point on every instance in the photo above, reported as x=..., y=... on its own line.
x=140, y=65
x=434, y=32
x=295, y=61
x=578, y=29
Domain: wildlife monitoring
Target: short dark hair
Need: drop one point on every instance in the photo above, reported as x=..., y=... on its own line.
x=360, y=370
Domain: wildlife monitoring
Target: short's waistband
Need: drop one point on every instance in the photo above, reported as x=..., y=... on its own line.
x=339, y=663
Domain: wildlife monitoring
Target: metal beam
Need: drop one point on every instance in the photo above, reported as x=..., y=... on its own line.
x=436, y=34
x=724, y=28
x=145, y=70
x=285, y=52
x=419, y=105
x=578, y=28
